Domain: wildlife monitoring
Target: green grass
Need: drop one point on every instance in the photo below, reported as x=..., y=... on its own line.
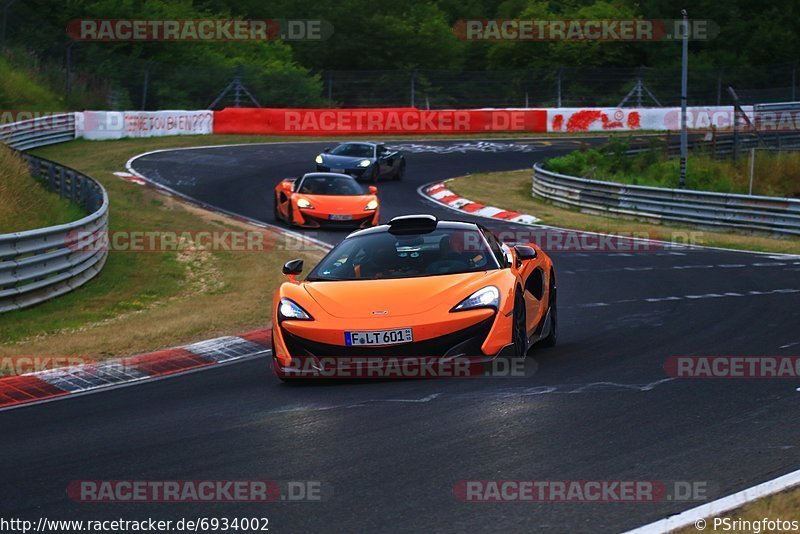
x=784, y=506
x=775, y=173
x=511, y=190
x=22, y=89
x=143, y=301
x=25, y=203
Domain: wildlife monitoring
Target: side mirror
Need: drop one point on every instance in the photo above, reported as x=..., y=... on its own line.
x=373, y=190
x=525, y=252
x=326, y=150
x=286, y=185
x=293, y=267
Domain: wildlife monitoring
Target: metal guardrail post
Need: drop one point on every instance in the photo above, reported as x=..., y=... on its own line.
x=38, y=265
x=703, y=209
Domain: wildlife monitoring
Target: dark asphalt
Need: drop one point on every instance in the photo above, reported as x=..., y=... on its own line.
x=598, y=407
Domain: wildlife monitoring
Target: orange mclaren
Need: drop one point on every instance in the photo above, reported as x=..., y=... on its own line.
x=326, y=199
x=416, y=289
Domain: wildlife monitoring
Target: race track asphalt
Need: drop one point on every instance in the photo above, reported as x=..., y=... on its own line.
x=599, y=406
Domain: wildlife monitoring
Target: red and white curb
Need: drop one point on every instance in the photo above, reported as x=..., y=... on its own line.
x=439, y=193
x=128, y=177
x=42, y=386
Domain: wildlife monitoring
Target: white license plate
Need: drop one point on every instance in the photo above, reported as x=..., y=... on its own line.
x=337, y=170
x=378, y=337
x=340, y=217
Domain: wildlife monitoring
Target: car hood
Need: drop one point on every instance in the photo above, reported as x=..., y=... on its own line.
x=341, y=161
x=357, y=299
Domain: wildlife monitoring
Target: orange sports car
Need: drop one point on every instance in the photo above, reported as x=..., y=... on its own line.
x=326, y=199
x=416, y=289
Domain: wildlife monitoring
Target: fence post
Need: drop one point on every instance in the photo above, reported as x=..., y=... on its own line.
x=558, y=87
x=68, y=71
x=413, y=76
x=713, y=142
x=145, y=87
x=330, y=88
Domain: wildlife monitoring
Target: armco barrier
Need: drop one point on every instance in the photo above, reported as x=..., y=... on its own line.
x=41, y=131
x=679, y=206
x=38, y=265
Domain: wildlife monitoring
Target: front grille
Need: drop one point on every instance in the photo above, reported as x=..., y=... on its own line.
x=467, y=342
x=328, y=223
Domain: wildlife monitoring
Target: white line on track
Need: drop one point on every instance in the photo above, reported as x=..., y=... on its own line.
x=751, y=293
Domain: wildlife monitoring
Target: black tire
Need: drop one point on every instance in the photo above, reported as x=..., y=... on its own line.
x=552, y=337
x=376, y=172
x=401, y=170
x=290, y=218
x=275, y=208
x=519, y=331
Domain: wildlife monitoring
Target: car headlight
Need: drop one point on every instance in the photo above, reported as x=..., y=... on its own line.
x=288, y=309
x=319, y=159
x=488, y=297
x=364, y=163
x=371, y=205
x=303, y=203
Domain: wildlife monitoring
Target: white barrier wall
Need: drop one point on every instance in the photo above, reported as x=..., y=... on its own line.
x=99, y=125
x=632, y=119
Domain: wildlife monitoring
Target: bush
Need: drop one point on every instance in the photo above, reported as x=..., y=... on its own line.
x=776, y=173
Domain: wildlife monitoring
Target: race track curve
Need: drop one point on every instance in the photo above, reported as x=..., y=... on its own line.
x=599, y=406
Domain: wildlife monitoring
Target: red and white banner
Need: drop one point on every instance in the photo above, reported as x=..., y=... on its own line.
x=375, y=121
x=648, y=119
x=98, y=125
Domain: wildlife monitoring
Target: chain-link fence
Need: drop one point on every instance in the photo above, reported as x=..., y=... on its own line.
x=543, y=87
x=557, y=87
x=141, y=84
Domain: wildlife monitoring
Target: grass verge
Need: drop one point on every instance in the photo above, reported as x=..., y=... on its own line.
x=25, y=203
x=775, y=173
x=143, y=301
x=784, y=506
x=515, y=194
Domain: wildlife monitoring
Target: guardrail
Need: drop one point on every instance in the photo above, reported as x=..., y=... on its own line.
x=40, y=131
x=679, y=206
x=38, y=265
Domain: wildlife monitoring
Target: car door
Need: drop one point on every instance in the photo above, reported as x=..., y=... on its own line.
x=386, y=160
x=532, y=278
x=284, y=198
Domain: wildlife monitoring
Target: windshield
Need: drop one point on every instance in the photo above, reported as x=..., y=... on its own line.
x=356, y=150
x=384, y=255
x=330, y=185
